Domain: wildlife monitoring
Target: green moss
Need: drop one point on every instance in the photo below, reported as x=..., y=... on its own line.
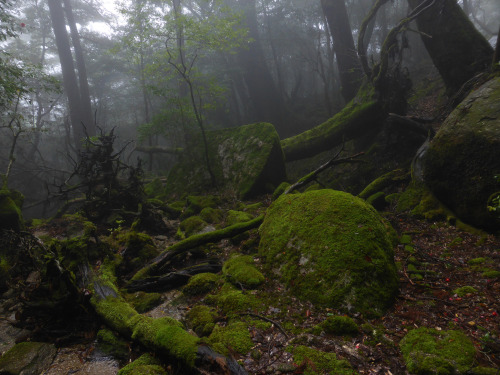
x=491, y=274
x=27, y=358
x=116, y=313
x=483, y=371
x=196, y=203
x=201, y=319
x=190, y=226
x=10, y=213
x=201, y=283
x=477, y=261
x=112, y=345
x=231, y=300
x=212, y=215
x=280, y=190
x=245, y=160
x=464, y=290
x=340, y=325
x=319, y=362
x=405, y=239
x=233, y=337
x=429, y=351
x=142, y=301
x=138, y=249
x=144, y=365
x=235, y=217
x=377, y=200
x=178, y=342
x=155, y=189
x=240, y=270
x=382, y=182
x=331, y=248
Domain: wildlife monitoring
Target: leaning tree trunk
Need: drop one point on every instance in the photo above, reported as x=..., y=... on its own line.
x=343, y=44
x=456, y=47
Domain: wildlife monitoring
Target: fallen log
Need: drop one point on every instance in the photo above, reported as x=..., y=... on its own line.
x=156, y=266
x=171, y=280
x=165, y=336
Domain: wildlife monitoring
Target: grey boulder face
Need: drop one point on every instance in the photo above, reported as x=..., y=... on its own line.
x=245, y=160
x=27, y=358
x=463, y=159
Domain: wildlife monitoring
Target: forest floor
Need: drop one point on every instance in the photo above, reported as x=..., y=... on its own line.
x=445, y=259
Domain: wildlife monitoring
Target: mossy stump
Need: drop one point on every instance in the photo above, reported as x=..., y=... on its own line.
x=332, y=249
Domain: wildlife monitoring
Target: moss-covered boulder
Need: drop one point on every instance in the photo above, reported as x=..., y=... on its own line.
x=331, y=248
x=246, y=160
x=10, y=212
x=429, y=351
x=28, y=358
x=464, y=157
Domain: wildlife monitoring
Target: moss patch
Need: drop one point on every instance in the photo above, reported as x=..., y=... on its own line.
x=190, y=226
x=340, y=325
x=240, y=270
x=144, y=365
x=201, y=319
x=318, y=362
x=429, y=351
x=10, y=212
x=201, y=283
x=233, y=337
x=142, y=301
x=331, y=248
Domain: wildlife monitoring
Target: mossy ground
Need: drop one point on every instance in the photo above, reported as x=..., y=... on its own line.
x=429, y=351
x=241, y=271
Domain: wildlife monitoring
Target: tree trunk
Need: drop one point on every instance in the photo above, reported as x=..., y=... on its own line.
x=496, y=56
x=87, y=120
x=265, y=97
x=457, y=49
x=343, y=44
x=70, y=82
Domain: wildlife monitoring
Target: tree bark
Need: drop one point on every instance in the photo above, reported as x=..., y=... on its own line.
x=457, y=49
x=265, y=97
x=87, y=120
x=496, y=56
x=70, y=82
x=343, y=44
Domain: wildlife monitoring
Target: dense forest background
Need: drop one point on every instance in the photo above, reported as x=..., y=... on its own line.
x=157, y=71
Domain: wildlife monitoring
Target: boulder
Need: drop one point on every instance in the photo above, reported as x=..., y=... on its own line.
x=332, y=249
x=246, y=160
x=28, y=358
x=464, y=157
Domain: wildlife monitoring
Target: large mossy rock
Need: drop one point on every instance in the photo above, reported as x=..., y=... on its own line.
x=464, y=157
x=246, y=160
x=28, y=358
x=331, y=248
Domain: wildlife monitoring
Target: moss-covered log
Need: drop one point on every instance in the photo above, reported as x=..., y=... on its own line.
x=360, y=115
x=165, y=336
x=196, y=240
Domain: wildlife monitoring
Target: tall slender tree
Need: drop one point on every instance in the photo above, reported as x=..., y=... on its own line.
x=343, y=44
x=79, y=113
